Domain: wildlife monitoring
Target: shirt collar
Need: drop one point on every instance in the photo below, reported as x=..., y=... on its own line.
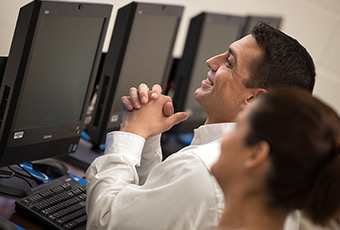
x=207, y=133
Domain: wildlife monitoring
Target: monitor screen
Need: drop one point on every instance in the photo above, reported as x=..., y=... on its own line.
x=147, y=54
x=140, y=51
x=59, y=71
x=49, y=77
x=209, y=34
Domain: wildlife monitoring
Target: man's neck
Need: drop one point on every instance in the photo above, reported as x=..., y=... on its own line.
x=209, y=121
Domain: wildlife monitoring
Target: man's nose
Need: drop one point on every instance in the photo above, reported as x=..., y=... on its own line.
x=214, y=62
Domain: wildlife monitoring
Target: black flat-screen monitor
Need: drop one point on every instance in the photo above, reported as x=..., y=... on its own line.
x=48, y=79
x=209, y=34
x=140, y=51
x=3, y=61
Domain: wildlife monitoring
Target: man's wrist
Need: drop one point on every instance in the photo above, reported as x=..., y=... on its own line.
x=135, y=131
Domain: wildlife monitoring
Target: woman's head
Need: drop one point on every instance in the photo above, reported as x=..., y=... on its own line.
x=302, y=137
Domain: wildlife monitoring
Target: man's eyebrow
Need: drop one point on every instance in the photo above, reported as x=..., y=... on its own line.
x=232, y=52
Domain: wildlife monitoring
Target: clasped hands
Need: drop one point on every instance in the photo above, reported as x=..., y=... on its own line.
x=148, y=113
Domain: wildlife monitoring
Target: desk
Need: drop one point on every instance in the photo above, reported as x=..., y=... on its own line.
x=7, y=206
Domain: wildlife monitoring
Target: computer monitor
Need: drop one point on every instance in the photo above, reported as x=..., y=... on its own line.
x=209, y=34
x=3, y=61
x=48, y=79
x=252, y=20
x=140, y=51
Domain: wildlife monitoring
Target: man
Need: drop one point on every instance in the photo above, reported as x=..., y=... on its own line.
x=130, y=188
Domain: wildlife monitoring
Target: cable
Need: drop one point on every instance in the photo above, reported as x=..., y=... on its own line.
x=20, y=176
x=8, y=174
x=31, y=176
x=19, y=173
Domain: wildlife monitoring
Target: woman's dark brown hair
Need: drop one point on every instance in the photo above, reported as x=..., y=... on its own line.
x=304, y=138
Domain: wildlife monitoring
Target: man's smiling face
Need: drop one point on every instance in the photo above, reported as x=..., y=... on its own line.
x=223, y=94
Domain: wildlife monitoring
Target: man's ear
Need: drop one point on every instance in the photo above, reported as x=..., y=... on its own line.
x=255, y=94
x=258, y=92
x=259, y=156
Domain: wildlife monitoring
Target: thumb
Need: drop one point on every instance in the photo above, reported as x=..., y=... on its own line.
x=178, y=117
x=168, y=109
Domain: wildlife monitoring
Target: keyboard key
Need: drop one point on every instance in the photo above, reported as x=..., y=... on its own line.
x=77, y=222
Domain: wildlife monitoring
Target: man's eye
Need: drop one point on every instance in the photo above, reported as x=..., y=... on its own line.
x=228, y=62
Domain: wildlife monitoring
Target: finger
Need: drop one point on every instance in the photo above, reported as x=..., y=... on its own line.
x=134, y=98
x=126, y=102
x=168, y=109
x=178, y=118
x=143, y=91
x=156, y=91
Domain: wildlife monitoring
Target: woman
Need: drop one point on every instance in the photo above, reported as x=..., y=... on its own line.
x=283, y=155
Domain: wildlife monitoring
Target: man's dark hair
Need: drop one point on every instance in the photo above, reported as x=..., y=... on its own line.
x=285, y=61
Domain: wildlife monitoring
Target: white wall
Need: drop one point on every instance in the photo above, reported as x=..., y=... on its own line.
x=315, y=23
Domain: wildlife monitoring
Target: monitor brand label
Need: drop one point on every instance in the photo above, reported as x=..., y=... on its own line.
x=18, y=135
x=47, y=136
x=114, y=118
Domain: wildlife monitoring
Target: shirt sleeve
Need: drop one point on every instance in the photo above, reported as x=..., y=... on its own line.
x=167, y=199
x=292, y=220
x=151, y=157
x=109, y=174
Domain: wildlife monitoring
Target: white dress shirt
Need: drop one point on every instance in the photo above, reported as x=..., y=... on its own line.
x=130, y=188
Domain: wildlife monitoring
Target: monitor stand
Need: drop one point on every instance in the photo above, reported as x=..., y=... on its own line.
x=85, y=154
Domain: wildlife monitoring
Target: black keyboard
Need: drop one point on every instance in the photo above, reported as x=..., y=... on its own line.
x=58, y=204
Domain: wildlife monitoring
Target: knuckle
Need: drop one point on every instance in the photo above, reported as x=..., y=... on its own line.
x=132, y=89
x=142, y=86
x=168, y=98
x=125, y=99
x=158, y=88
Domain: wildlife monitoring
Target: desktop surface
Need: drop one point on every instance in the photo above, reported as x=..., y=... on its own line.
x=7, y=225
